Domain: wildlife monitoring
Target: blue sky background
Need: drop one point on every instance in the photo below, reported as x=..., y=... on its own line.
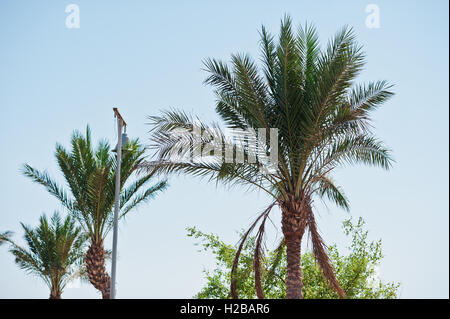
x=143, y=56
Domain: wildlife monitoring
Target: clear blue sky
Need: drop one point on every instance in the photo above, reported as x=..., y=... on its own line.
x=142, y=57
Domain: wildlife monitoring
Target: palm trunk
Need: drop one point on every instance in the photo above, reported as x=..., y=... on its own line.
x=55, y=279
x=293, y=224
x=55, y=295
x=95, y=266
x=294, y=282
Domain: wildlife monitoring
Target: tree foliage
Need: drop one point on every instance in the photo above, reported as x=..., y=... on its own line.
x=356, y=270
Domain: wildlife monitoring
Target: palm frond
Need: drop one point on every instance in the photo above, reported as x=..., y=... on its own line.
x=143, y=197
x=321, y=255
x=263, y=217
x=52, y=187
x=5, y=236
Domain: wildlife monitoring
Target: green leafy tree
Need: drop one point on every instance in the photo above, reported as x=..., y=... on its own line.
x=90, y=175
x=323, y=119
x=54, y=253
x=355, y=271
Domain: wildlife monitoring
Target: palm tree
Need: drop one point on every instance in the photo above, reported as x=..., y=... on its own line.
x=323, y=122
x=90, y=176
x=54, y=253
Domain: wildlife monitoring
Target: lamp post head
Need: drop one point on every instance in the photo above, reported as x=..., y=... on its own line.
x=125, y=141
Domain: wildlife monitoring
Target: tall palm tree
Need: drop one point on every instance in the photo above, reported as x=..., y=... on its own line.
x=323, y=122
x=90, y=176
x=54, y=253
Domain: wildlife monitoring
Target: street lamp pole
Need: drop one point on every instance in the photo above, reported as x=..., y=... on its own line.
x=120, y=124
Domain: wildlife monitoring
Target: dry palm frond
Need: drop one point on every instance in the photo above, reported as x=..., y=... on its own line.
x=321, y=255
x=262, y=216
x=258, y=257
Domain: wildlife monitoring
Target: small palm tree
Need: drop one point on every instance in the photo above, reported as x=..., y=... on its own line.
x=323, y=122
x=54, y=252
x=90, y=176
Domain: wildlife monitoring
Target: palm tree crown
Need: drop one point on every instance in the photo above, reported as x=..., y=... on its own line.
x=55, y=251
x=323, y=121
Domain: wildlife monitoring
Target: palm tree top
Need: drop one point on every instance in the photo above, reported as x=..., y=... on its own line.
x=55, y=249
x=89, y=174
x=309, y=94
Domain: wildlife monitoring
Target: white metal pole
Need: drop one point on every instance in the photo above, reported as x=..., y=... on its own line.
x=116, y=207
